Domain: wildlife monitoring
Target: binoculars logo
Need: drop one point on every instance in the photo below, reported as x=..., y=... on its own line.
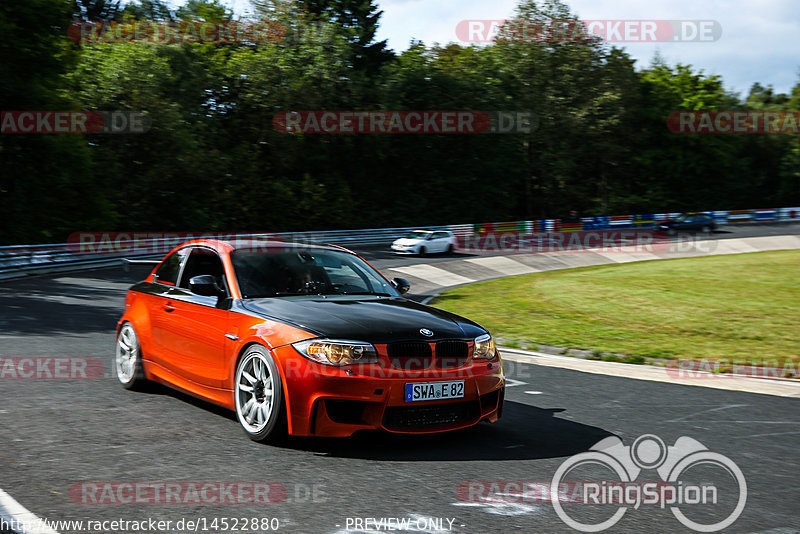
x=649, y=452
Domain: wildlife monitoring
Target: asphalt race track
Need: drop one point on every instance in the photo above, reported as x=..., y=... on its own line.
x=60, y=433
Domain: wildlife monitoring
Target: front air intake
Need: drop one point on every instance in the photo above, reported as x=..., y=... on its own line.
x=410, y=356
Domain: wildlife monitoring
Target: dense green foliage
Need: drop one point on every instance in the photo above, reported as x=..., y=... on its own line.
x=213, y=161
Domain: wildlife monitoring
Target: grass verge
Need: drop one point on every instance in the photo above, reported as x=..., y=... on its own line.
x=743, y=307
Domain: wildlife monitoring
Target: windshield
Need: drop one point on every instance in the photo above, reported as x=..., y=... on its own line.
x=418, y=234
x=280, y=272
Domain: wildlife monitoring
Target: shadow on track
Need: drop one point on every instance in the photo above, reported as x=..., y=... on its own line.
x=524, y=433
x=65, y=304
x=155, y=388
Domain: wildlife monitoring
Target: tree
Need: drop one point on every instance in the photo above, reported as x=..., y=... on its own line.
x=161, y=178
x=761, y=97
x=689, y=171
x=210, y=10
x=93, y=10
x=789, y=189
x=48, y=187
x=570, y=84
x=213, y=160
x=148, y=10
x=358, y=21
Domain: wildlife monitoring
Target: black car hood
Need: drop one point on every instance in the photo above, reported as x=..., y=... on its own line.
x=372, y=319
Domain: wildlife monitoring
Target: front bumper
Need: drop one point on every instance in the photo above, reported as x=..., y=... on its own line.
x=327, y=401
x=402, y=249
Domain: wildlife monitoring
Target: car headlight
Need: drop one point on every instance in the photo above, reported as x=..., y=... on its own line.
x=336, y=352
x=484, y=348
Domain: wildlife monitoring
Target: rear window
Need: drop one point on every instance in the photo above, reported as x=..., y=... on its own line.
x=418, y=234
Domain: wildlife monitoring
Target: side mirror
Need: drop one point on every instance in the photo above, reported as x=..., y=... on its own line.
x=205, y=285
x=401, y=284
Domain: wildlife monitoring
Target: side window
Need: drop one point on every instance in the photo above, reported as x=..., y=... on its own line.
x=202, y=261
x=168, y=272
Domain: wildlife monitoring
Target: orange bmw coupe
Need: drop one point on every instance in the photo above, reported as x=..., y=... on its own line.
x=306, y=341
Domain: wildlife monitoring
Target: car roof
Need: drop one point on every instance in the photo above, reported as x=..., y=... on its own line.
x=245, y=244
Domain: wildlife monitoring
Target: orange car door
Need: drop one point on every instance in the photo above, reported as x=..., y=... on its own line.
x=195, y=331
x=160, y=308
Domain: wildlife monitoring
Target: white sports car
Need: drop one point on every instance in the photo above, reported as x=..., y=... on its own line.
x=423, y=242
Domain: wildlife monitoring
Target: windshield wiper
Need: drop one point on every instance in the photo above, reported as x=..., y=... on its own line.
x=273, y=295
x=362, y=293
x=278, y=295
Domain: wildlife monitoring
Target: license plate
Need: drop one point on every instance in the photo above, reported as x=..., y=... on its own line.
x=425, y=391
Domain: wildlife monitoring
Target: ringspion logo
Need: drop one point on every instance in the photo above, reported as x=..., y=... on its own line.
x=701, y=506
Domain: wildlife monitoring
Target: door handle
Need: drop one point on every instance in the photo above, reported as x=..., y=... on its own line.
x=169, y=308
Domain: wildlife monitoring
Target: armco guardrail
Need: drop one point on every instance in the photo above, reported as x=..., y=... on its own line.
x=22, y=260
x=109, y=249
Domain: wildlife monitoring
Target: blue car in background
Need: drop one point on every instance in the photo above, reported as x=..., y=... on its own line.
x=689, y=222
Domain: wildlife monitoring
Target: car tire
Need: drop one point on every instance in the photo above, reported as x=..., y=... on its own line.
x=258, y=396
x=706, y=229
x=422, y=251
x=450, y=248
x=128, y=358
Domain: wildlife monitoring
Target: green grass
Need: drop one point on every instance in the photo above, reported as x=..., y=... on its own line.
x=735, y=307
